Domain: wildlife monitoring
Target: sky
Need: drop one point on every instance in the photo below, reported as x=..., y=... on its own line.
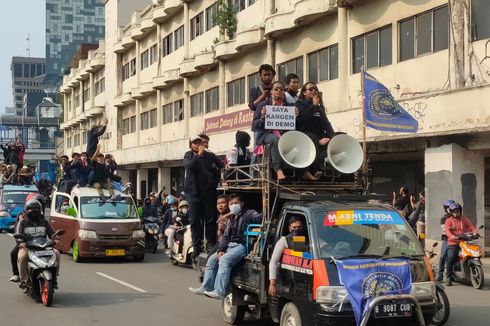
x=19, y=18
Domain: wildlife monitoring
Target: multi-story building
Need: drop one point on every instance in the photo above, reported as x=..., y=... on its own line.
x=69, y=23
x=167, y=74
x=24, y=73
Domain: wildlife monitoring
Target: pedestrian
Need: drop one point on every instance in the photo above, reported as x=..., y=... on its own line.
x=416, y=219
x=402, y=201
x=263, y=91
x=93, y=137
x=443, y=254
x=292, y=88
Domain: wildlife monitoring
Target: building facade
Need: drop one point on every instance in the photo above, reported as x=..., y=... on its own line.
x=69, y=23
x=24, y=72
x=168, y=73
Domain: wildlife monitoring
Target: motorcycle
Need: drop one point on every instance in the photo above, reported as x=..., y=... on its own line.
x=442, y=301
x=182, y=250
x=41, y=267
x=151, y=228
x=469, y=269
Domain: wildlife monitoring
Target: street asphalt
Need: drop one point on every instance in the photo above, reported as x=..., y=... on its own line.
x=122, y=292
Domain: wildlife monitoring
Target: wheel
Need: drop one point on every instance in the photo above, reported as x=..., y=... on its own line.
x=476, y=276
x=232, y=314
x=47, y=291
x=138, y=258
x=154, y=246
x=173, y=262
x=75, y=252
x=442, y=308
x=290, y=315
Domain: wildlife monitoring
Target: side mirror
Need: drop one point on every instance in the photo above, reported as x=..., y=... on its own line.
x=71, y=211
x=18, y=236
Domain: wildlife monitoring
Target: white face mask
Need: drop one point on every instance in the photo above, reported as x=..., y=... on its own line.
x=235, y=208
x=65, y=207
x=184, y=211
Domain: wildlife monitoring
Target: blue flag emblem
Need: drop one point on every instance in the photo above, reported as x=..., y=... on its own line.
x=382, y=111
x=365, y=279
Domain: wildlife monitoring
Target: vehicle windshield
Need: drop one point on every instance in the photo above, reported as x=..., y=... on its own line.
x=381, y=233
x=92, y=208
x=15, y=197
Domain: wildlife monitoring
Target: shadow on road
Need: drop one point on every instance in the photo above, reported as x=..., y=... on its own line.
x=87, y=300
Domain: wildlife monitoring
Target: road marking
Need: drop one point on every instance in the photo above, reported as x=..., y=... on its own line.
x=121, y=282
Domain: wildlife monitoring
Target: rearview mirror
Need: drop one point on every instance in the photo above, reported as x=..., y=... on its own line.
x=71, y=211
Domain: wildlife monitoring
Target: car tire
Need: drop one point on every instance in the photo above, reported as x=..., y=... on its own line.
x=290, y=315
x=75, y=252
x=139, y=259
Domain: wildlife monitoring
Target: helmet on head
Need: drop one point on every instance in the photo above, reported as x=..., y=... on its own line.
x=183, y=203
x=447, y=203
x=170, y=200
x=454, y=207
x=42, y=200
x=33, y=210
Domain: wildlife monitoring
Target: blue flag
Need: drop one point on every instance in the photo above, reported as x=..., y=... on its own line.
x=365, y=279
x=382, y=111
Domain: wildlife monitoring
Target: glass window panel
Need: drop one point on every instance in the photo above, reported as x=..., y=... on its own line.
x=229, y=94
x=372, y=50
x=313, y=67
x=291, y=67
x=33, y=70
x=18, y=70
x=441, y=29
x=407, y=39
x=357, y=54
x=480, y=24
x=324, y=64
x=299, y=69
x=282, y=71
x=385, y=46
x=26, y=70
x=334, y=62
x=424, y=34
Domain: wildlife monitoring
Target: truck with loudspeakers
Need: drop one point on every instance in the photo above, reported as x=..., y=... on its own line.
x=341, y=224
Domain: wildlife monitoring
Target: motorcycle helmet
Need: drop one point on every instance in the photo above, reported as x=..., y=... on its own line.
x=455, y=206
x=42, y=200
x=447, y=203
x=170, y=200
x=33, y=210
x=183, y=203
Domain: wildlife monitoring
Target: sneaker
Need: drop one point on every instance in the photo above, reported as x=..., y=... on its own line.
x=115, y=197
x=168, y=252
x=15, y=279
x=197, y=291
x=213, y=295
x=23, y=285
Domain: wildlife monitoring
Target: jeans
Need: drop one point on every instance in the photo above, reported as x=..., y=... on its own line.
x=13, y=260
x=218, y=271
x=452, y=258
x=170, y=233
x=442, y=259
x=273, y=141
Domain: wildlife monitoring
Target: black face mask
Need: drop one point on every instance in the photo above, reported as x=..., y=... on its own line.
x=33, y=215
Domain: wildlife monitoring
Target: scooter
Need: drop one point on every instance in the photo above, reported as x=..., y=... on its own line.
x=469, y=268
x=151, y=228
x=442, y=301
x=41, y=267
x=182, y=250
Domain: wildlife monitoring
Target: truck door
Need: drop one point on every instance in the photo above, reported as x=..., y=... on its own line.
x=60, y=219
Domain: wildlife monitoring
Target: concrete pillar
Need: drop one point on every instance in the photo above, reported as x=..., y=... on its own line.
x=73, y=108
x=453, y=172
x=271, y=52
x=92, y=90
x=187, y=109
x=138, y=63
x=159, y=115
x=187, y=30
x=159, y=47
x=160, y=177
x=82, y=97
x=222, y=87
x=343, y=56
x=138, y=183
x=138, y=120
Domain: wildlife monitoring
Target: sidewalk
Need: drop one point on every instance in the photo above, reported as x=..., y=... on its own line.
x=486, y=267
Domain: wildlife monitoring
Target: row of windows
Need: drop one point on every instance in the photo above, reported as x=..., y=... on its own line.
x=28, y=70
x=173, y=41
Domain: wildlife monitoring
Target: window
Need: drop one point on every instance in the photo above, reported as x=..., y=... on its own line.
x=179, y=37
x=39, y=69
x=86, y=91
x=372, y=49
x=68, y=19
x=210, y=13
x=196, y=104
x=179, y=110
x=84, y=137
x=68, y=142
x=76, y=140
x=153, y=54
x=424, y=33
x=33, y=70
x=237, y=5
x=236, y=92
x=167, y=45
x=153, y=118
x=125, y=71
x=26, y=70
x=480, y=25
x=253, y=80
x=144, y=59
x=99, y=82
x=144, y=121
x=168, y=113
x=212, y=99
x=129, y=125
x=197, y=25
x=17, y=70
x=323, y=64
x=132, y=67
x=76, y=98
x=292, y=66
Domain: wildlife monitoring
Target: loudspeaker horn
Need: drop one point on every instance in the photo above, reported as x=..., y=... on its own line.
x=297, y=149
x=344, y=154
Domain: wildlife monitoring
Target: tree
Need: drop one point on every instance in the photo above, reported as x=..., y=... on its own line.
x=225, y=18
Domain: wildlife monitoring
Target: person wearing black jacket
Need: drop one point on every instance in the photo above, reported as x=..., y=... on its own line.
x=101, y=176
x=200, y=190
x=93, y=137
x=231, y=250
x=312, y=120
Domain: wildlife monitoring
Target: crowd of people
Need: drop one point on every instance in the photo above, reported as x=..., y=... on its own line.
x=12, y=169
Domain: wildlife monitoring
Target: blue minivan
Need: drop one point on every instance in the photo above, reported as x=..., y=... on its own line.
x=12, y=201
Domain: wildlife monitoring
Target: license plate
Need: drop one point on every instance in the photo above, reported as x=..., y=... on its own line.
x=115, y=252
x=393, y=309
x=44, y=253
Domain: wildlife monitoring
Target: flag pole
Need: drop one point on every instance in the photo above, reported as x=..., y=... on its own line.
x=364, y=145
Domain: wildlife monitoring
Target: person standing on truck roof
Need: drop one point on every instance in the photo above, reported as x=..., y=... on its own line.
x=200, y=184
x=93, y=137
x=101, y=175
x=231, y=250
x=296, y=228
x=292, y=85
x=263, y=91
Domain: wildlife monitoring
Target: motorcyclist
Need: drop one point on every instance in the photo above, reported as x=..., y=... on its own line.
x=34, y=225
x=455, y=225
x=180, y=220
x=443, y=256
x=169, y=215
x=149, y=210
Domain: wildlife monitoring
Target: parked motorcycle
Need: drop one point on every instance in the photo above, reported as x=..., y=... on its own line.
x=151, y=228
x=41, y=267
x=182, y=250
x=469, y=268
x=442, y=301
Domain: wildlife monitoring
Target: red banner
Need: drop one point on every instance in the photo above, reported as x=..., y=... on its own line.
x=231, y=121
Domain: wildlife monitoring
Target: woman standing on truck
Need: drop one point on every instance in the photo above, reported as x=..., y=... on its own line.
x=296, y=228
